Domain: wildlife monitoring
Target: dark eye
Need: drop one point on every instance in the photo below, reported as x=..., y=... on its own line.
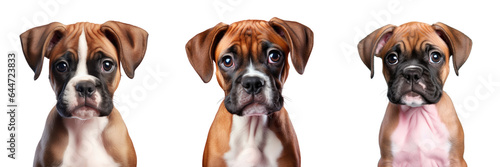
x=107, y=66
x=62, y=66
x=435, y=57
x=227, y=61
x=274, y=56
x=392, y=58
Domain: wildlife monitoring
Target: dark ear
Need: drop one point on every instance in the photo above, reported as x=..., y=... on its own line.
x=459, y=44
x=299, y=38
x=38, y=42
x=371, y=45
x=130, y=43
x=201, y=49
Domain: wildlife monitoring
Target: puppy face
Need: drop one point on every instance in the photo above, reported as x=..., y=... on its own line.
x=84, y=62
x=415, y=59
x=84, y=73
x=251, y=61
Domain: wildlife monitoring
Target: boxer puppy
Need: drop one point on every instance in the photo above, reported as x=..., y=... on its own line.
x=84, y=128
x=251, y=128
x=420, y=126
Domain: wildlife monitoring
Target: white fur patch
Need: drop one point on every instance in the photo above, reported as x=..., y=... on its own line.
x=412, y=101
x=81, y=68
x=70, y=95
x=252, y=143
x=85, y=146
x=252, y=72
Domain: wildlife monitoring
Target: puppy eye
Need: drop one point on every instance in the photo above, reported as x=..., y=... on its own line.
x=274, y=56
x=227, y=61
x=107, y=66
x=392, y=58
x=62, y=66
x=435, y=57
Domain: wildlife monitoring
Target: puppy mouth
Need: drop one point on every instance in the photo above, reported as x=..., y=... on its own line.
x=414, y=93
x=412, y=99
x=419, y=94
x=85, y=111
x=250, y=105
x=254, y=109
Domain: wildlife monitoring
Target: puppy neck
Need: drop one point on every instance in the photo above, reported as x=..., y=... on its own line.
x=252, y=143
x=431, y=108
x=422, y=135
x=85, y=143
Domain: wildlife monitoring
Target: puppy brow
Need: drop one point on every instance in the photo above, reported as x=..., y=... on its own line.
x=428, y=47
x=397, y=48
x=232, y=49
x=265, y=45
x=67, y=56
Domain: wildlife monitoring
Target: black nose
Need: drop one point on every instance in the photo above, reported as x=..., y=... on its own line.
x=412, y=73
x=252, y=85
x=85, y=88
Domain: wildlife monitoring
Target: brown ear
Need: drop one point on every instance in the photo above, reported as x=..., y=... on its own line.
x=201, y=49
x=458, y=43
x=130, y=43
x=371, y=45
x=38, y=42
x=299, y=38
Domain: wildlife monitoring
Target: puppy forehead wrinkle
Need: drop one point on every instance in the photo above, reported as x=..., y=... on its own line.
x=249, y=36
x=414, y=31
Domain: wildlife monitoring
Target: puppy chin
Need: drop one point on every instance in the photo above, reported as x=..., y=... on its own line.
x=255, y=109
x=84, y=113
x=412, y=99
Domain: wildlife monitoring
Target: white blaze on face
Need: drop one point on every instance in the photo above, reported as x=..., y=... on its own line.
x=81, y=68
x=266, y=90
x=70, y=95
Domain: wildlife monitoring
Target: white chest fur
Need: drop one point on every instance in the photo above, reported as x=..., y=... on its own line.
x=85, y=146
x=252, y=143
x=420, y=139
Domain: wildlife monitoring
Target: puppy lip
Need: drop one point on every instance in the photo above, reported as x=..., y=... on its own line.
x=412, y=94
x=412, y=99
x=86, y=106
x=251, y=99
x=85, y=111
x=254, y=114
x=254, y=109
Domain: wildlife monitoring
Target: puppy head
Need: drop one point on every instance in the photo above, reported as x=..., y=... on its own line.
x=85, y=58
x=251, y=60
x=415, y=59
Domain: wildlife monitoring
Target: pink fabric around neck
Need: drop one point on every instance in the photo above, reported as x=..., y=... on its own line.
x=420, y=139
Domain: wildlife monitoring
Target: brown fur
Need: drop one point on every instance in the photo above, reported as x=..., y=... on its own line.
x=207, y=46
x=414, y=36
x=124, y=43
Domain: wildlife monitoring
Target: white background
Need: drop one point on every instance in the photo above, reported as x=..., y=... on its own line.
x=335, y=107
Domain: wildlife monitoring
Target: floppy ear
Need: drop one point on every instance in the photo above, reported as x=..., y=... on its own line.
x=130, y=43
x=458, y=43
x=371, y=45
x=38, y=42
x=201, y=49
x=298, y=37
